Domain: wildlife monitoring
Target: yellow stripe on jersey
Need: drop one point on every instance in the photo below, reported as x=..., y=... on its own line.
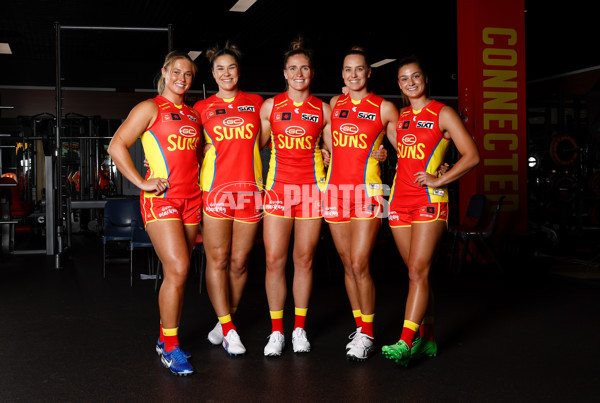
x=155, y=157
x=430, y=111
x=373, y=171
x=437, y=158
x=319, y=167
x=258, y=179
x=272, y=165
x=207, y=173
x=372, y=103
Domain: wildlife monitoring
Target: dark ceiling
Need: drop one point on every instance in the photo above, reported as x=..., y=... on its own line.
x=559, y=40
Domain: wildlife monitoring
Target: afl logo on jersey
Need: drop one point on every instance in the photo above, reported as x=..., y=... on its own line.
x=349, y=128
x=295, y=131
x=409, y=139
x=233, y=122
x=188, y=131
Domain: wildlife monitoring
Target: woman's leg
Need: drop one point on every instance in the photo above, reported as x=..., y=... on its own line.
x=216, y=235
x=173, y=244
x=306, y=237
x=276, y=234
x=242, y=241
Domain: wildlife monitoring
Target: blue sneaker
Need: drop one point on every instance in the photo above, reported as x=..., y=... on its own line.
x=160, y=346
x=176, y=362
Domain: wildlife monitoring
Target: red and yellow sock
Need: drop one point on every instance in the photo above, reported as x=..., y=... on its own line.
x=408, y=332
x=367, y=324
x=227, y=324
x=276, y=321
x=300, y=317
x=170, y=338
x=357, y=317
x=426, y=328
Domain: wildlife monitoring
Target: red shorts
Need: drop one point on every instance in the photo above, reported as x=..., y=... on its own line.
x=405, y=216
x=341, y=210
x=189, y=211
x=238, y=206
x=293, y=201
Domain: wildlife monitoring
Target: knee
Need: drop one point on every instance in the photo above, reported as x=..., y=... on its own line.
x=303, y=261
x=275, y=262
x=218, y=259
x=176, y=271
x=359, y=269
x=238, y=266
x=418, y=274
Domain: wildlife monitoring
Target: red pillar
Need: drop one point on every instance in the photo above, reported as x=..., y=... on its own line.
x=491, y=100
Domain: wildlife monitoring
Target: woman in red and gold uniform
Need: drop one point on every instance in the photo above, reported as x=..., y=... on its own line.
x=293, y=122
x=231, y=180
x=419, y=203
x=171, y=199
x=353, y=203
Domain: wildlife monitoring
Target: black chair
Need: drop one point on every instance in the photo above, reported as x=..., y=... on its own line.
x=118, y=217
x=472, y=220
x=481, y=238
x=141, y=240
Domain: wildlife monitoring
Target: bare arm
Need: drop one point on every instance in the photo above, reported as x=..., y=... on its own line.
x=140, y=118
x=265, y=122
x=389, y=118
x=452, y=127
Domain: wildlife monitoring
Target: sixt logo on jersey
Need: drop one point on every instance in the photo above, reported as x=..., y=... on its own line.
x=368, y=116
x=310, y=118
x=424, y=124
x=192, y=118
x=246, y=108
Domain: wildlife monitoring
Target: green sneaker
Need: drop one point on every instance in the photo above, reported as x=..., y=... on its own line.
x=399, y=352
x=423, y=348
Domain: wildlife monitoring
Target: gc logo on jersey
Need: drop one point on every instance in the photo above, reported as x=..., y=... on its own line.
x=295, y=131
x=368, y=116
x=349, y=128
x=188, y=131
x=424, y=124
x=233, y=122
x=409, y=139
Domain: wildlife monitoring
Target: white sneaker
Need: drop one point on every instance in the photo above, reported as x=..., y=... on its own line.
x=275, y=344
x=362, y=348
x=300, y=342
x=215, y=336
x=233, y=344
x=352, y=338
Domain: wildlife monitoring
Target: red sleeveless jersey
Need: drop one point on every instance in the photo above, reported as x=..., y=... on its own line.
x=170, y=148
x=295, y=137
x=357, y=130
x=233, y=162
x=421, y=147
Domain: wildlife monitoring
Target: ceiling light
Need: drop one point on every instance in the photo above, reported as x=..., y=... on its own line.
x=5, y=49
x=242, y=6
x=382, y=62
x=193, y=54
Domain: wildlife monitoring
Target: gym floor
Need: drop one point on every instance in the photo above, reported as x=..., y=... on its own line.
x=529, y=334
